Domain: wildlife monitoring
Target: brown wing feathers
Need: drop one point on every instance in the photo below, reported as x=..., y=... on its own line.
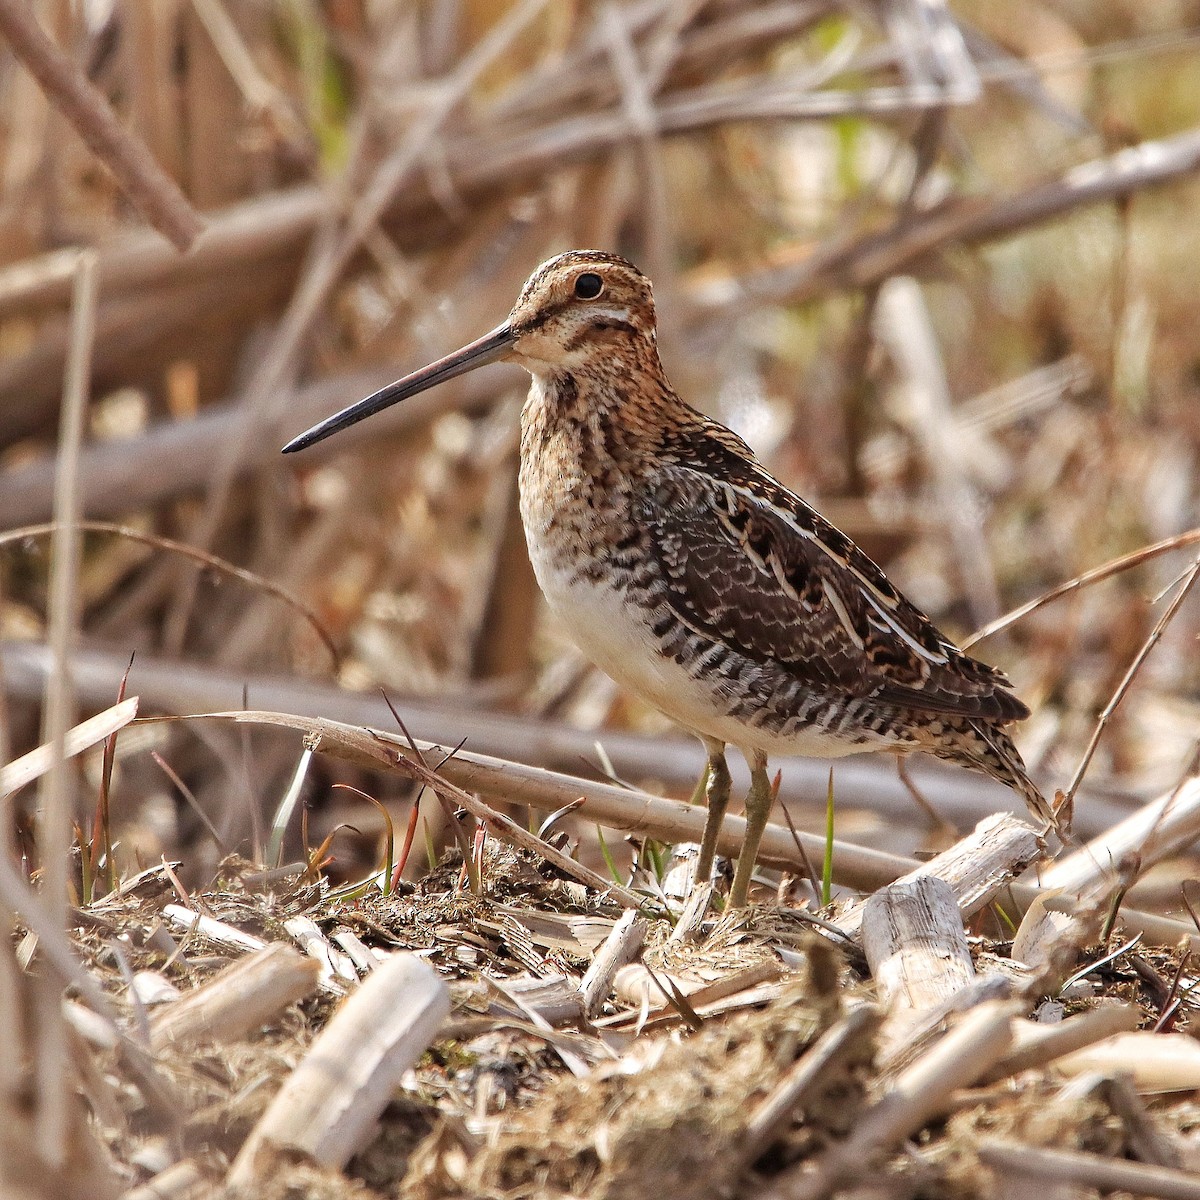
x=751, y=564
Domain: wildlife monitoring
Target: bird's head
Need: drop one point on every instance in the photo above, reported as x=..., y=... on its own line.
x=578, y=305
x=574, y=308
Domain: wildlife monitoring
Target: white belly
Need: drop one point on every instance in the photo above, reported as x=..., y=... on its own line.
x=617, y=638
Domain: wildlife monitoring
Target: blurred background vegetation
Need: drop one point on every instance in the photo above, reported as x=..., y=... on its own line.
x=936, y=263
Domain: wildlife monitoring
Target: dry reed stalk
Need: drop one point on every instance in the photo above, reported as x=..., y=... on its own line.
x=901, y=249
x=665, y=820
x=1088, y=1170
x=915, y=944
x=1163, y=827
x=1106, y=570
x=147, y=185
x=328, y=1106
x=24, y=770
x=51, y=1057
x=246, y=994
x=904, y=324
x=1183, y=588
x=182, y=686
x=1039, y=1045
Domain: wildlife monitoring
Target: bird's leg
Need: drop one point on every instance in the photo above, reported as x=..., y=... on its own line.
x=716, y=791
x=758, y=809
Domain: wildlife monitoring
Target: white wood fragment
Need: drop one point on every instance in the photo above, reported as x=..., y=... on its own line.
x=151, y=987
x=621, y=946
x=362, y=956
x=999, y=849
x=328, y=1107
x=1045, y=923
x=916, y=947
x=217, y=932
x=243, y=996
x=335, y=966
x=181, y=1181
x=694, y=912
x=555, y=998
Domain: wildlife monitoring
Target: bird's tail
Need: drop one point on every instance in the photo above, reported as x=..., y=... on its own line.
x=988, y=748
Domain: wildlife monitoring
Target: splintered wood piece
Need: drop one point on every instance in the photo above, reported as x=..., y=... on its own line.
x=327, y=1108
x=916, y=947
x=240, y=998
x=1045, y=922
x=555, y=998
x=999, y=849
x=336, y=967
x=621, y=946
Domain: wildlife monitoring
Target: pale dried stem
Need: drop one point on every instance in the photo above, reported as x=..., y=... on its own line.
x=620, y=947
x=24, y=770
x=182, y=686
x=1160, y=829
x=328, y=1106
x=1037, y=1046
x=259, y=93
x=245, y=995
x=180, y=1181
x=1089, y=1170
x=52, y=1059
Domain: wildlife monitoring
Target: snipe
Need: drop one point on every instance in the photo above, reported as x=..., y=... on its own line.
x=694, y=578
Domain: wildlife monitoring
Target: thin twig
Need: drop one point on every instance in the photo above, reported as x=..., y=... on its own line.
x=1095, y=575
x=1122, y=688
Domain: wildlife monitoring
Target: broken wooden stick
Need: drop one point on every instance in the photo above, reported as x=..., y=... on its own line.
x=328, y=1106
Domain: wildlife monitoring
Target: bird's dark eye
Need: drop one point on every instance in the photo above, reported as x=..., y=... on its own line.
x=588, y=285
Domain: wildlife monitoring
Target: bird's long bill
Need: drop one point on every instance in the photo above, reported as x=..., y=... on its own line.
x=489, y=348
